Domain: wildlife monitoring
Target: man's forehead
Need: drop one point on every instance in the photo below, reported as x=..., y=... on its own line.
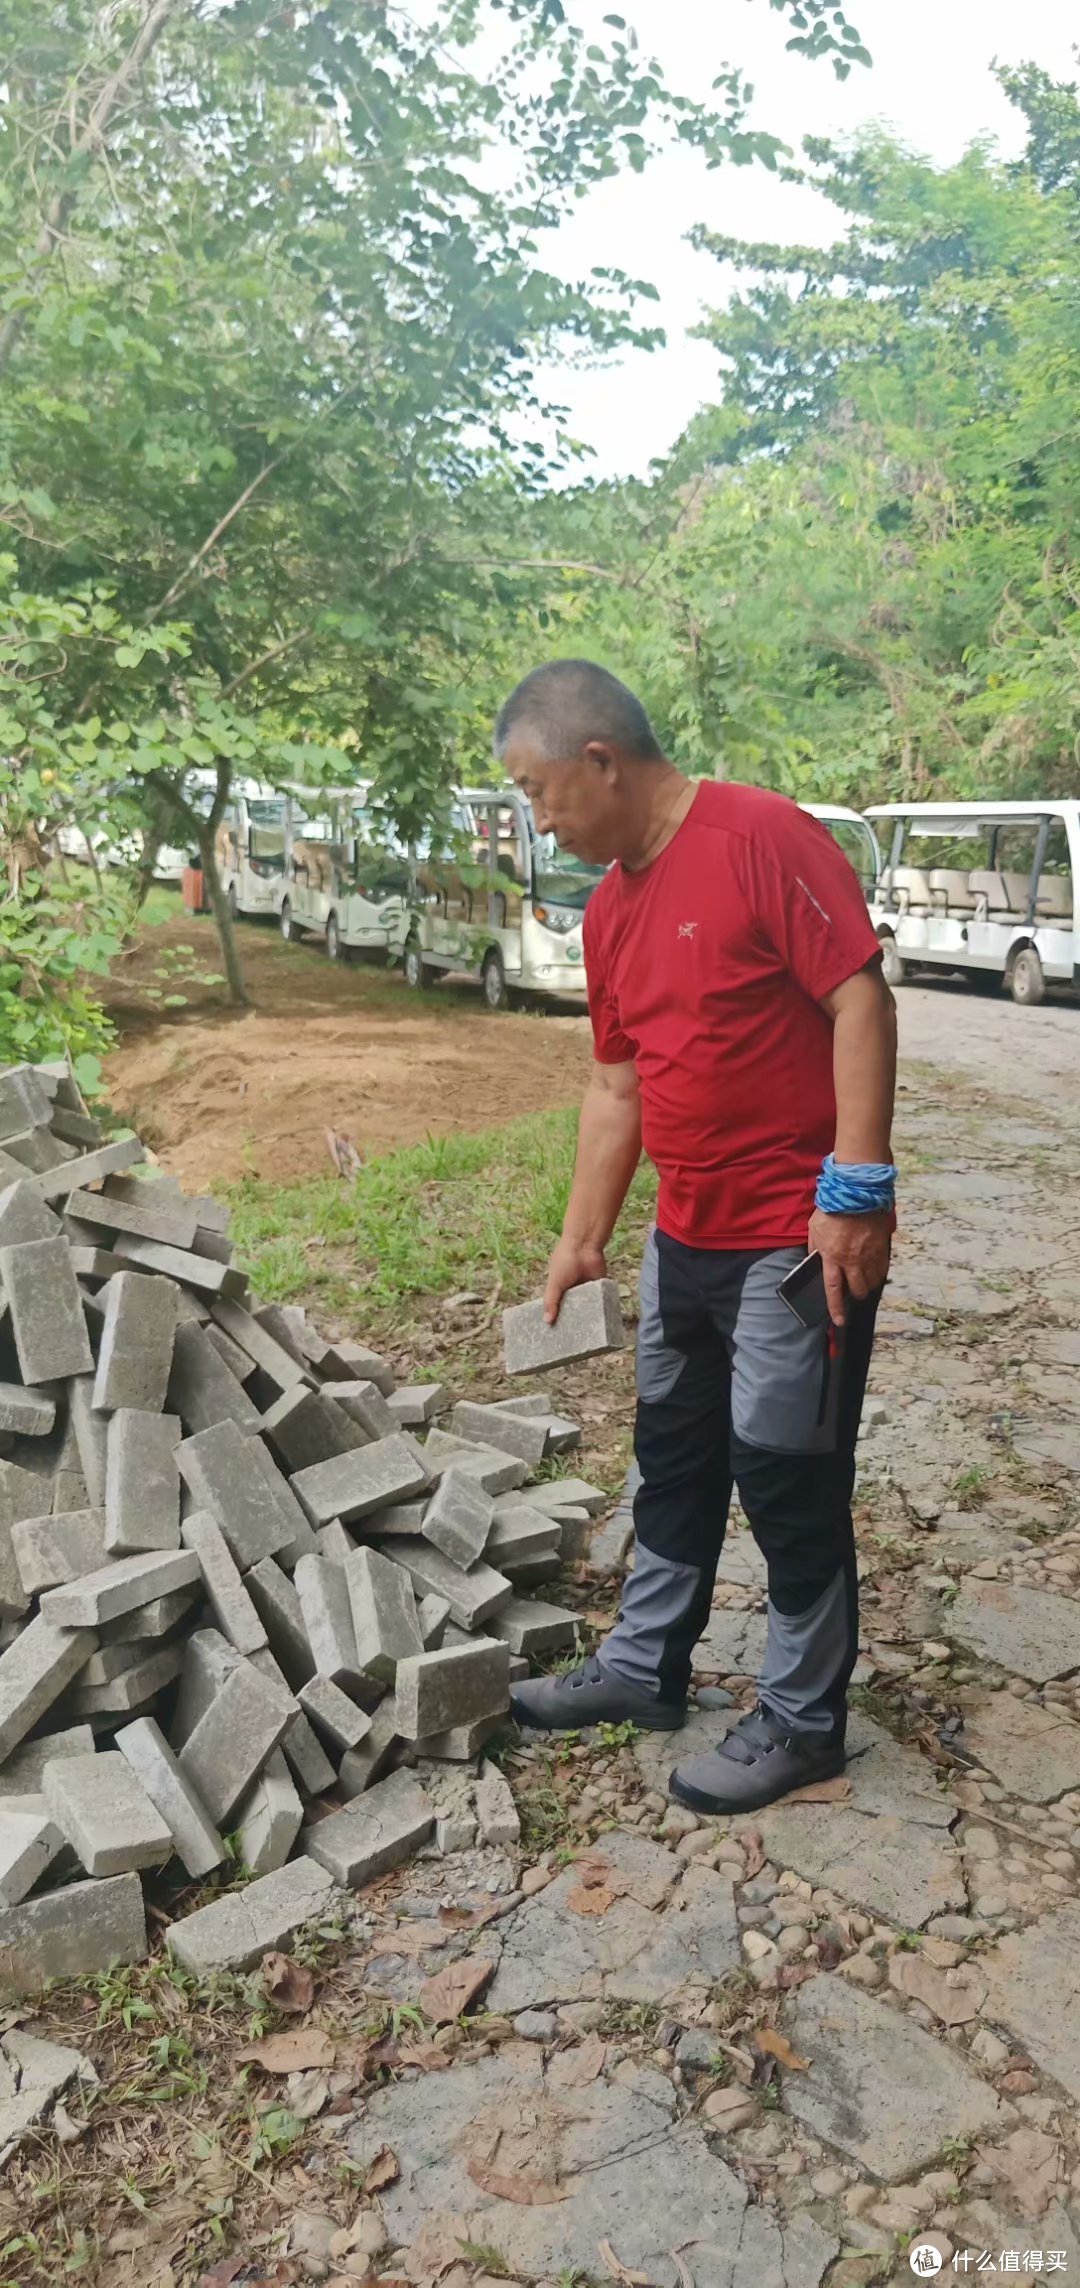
x=524, y=756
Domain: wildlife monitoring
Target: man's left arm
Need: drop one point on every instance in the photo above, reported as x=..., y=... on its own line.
x=854, y=1249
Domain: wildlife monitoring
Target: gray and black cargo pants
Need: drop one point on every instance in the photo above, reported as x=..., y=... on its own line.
x=733, y=1392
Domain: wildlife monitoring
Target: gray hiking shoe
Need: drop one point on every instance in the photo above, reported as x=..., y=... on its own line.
x=759, y=1761
x=588, y=1695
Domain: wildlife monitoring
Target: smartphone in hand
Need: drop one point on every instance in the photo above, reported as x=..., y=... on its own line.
x=803, y=1291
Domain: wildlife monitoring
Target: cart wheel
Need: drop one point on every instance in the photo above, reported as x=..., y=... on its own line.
x=419, y=973
x=1027, y=983
x=493, y=981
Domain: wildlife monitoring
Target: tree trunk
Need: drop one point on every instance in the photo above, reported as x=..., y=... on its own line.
x=142, y=881
x=226, y=928
x=153, y=836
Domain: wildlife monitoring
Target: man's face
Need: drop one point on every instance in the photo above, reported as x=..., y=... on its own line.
x=579, y=801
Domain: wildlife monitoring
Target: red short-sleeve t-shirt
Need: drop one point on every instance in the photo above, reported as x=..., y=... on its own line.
x=706, y=970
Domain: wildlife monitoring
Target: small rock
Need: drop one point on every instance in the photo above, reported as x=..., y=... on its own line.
x=692, y=1846
x=367, y=2237
x=989, y=2049
x=862, y=1970
x=536, y=2025
x=581, y=2017
x=793, y=1938
x=756, y=1947
x=957, y=1926
x=1018, y=2083
x=859, y=2198
x=765, y=2140
x=536, y=1879
x=861, y=2232
x=829, y=2183
x=678, y=1821
x=760, y=1890
x=941, y=2184
x=697, y=2050
x=310, y=2235
x=727, y=2109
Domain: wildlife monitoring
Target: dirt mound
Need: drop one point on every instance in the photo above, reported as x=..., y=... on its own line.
x=220, y=1094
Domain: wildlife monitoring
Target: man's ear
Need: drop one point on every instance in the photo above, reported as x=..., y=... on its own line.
x=602, y=757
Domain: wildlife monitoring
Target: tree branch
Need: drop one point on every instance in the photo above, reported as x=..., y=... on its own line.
x=255, y=666
x=89, y=141
x=221, y=526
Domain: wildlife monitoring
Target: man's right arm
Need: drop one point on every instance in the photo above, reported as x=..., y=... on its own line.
x=609, y=1147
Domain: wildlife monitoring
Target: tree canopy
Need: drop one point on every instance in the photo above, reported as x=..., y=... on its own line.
x=859, y=574
x=272, y=308
x=276, y=473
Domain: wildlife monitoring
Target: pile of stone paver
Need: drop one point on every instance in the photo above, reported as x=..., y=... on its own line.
x=247, y=1614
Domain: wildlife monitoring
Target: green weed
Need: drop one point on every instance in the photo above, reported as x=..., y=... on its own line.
x=456, y=1212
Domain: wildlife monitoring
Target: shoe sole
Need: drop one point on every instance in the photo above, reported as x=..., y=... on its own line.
x=667, y=1720
x=713, y=1806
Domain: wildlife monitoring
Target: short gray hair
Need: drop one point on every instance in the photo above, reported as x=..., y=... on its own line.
x=571, y=701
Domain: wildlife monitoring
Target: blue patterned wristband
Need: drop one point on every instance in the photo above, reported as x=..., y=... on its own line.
x=865, y=1187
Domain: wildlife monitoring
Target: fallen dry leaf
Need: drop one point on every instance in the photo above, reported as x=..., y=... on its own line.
x=591, y=1902
x=954, y=2005
x=593, y=1872
x=306, y=2095
x=411, y=1938
x=300, y=2051
x=370, y=2058
x=686, y=2277
x=223, y=2274
x=475, y=1918
x=618, y=2270
x=1031, y=2164
x=526, y=2192
x=575, y=2069
x=425, y=2055
x=755, y=1854
x=447, y=1995
x=286, y=1983
x=776, y=2045
x=385, y=2170
x=821, y=1791
x=794, y=1974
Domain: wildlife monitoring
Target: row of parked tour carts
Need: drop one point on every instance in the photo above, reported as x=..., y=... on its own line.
x=984, y=889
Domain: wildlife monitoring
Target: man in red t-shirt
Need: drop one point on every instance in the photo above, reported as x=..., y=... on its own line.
x=742, y=1033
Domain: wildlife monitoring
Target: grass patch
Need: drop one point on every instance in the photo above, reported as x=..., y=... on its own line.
x=467, y=1212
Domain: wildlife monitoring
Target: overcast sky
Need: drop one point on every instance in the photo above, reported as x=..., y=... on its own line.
x=931, y=82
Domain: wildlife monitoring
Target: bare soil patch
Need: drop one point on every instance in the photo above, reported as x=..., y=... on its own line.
x=222, y=1093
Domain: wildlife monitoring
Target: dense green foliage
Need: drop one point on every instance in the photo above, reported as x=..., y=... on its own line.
x=271, y=311
x=272, y=307
x=859, y=575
